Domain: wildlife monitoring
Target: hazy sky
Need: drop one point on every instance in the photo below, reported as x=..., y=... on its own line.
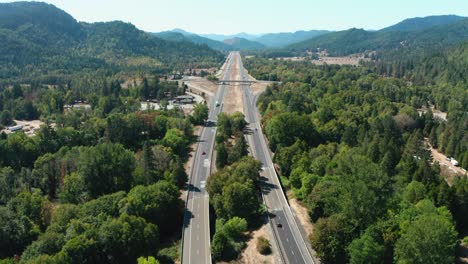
x=257, y=16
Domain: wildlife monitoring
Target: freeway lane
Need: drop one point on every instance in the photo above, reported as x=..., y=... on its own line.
x=293, y=248
x=196, y=228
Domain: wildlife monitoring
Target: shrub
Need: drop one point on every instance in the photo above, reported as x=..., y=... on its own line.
x=263, y=246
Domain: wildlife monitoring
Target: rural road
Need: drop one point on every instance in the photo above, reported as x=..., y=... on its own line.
x=196, y=228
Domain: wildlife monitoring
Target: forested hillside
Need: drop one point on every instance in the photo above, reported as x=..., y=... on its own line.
x=178, y=36
x=358, y=40
x=42, y=42
x=420, y=23
x=351, y=146
x=277, y=40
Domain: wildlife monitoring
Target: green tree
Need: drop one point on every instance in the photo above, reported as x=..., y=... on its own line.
x=16, y=231
x=414, y=192
x=200, y=114
x=330, y=238
x=366, y=249
x=73, y=189
x=176, y=140
x=284, y=129
x=9, y=184
x=158, y=203
x=128, y=237
x=238, y=151
x=106, y=168
x=6, y=118
x=221, y=156
x=429, y=239
x=228, y=240
x=46, y=173
x=224, y=125
x=148, y=260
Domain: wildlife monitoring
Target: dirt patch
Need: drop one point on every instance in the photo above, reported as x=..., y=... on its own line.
x=233, y=100
x=447, y=169
x=302, y=215
x=347, y=60
x=436, y=113
x=29, y=127
x=250, y=254
x=259, y=87
x=291, y=58
x=199, y=84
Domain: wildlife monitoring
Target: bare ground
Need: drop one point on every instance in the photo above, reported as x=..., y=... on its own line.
x=448, y=170
x=348, y=60
x=259, y=87
x=202, y=87
x=250, y=254
x=233, y=100
x=302, y=215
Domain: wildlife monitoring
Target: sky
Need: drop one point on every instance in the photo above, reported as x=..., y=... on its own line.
x=257, y=16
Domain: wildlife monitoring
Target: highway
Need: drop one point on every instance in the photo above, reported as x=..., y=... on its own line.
x=196, y=228
x=288, y=238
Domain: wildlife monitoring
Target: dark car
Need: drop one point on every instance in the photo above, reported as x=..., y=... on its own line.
x=279, y=225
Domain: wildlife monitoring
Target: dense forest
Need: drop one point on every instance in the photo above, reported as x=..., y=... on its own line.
x=43, y=43
x=98, y=185
x=350, y=144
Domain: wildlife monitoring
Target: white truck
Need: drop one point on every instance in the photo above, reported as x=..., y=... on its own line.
x=454, y=162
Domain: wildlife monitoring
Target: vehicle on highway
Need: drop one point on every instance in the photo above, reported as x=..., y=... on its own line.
x=279, y=225
x=203, y=153
x=217, y=103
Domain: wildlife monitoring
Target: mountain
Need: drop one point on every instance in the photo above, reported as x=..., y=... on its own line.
x=421, y=23
x=180, y=35
x=358, y=40
x=243, y=44
x=38, y=38
x=235, y=43
x=171, y=36
x=277, y=40
x=221, y=37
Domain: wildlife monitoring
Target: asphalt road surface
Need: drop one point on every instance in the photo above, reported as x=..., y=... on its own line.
x=293, y=248
x=196, y=229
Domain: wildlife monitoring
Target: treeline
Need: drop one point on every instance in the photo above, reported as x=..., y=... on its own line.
x=350, y=144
